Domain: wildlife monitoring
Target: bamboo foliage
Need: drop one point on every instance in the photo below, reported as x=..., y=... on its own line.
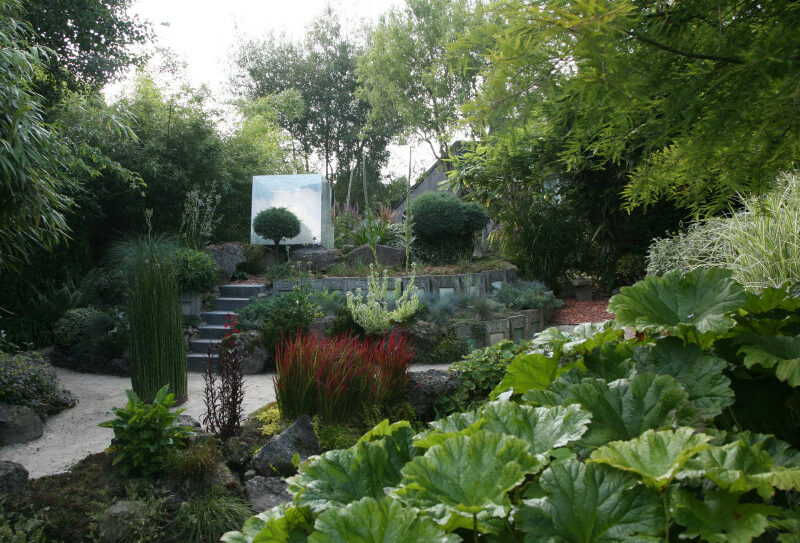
x=157, y=351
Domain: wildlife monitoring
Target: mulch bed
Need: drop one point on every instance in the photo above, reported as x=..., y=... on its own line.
x=575, y=312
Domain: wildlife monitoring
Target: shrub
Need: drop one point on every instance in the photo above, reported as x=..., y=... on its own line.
x=291, y=312
x=336, y=378
x=79, y=324
x=254, y=315
x=373, y=313
x=527, y=295
x=145, y=434
x=330, y=302
x=103, y=287
x=26, y=379
x=205, y=518
x=760, y=243
x=630, y=268
x=448, y=350
x=480, y=372
x=275, y=224
x=255, y=260
x=345, y=221
x=224, y=392
x=443, y=222
x=437, y=214
x=196, y=271
x=475, y=217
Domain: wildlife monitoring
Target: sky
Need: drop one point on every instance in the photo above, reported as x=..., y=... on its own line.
x=203, y=34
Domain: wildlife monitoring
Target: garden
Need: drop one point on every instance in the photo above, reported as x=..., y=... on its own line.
x=580, y=324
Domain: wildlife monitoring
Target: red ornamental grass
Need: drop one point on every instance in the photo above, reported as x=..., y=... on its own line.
x=336, y=378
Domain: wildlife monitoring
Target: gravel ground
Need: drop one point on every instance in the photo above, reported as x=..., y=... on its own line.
x=74, y=433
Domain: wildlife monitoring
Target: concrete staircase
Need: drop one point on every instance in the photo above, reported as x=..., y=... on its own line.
x=212, y=330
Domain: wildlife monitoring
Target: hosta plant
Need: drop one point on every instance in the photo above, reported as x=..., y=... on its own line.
x=145, y=434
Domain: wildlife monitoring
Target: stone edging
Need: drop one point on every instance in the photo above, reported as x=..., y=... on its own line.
x=426, y=284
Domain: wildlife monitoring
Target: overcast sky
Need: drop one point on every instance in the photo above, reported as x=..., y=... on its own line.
x=204, y=32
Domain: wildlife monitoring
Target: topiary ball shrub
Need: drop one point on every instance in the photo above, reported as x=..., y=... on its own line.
x=441, y=221
x=26, y=379
x=436, y=214
x=78, y=324
x=196, y=271
x=475, y=217
x=275, y=224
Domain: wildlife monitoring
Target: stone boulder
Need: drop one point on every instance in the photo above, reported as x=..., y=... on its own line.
x=227, y=256
x=315, y=258
x=13, y=483
x=257, y=357
x=388, y=257
x=116, y=519
x=276, y=456
x=19, y=424
x=191, y=422
x=237, y=453
x=264, y=493
x=223, y=476
x=425, y=388
x=423, y=336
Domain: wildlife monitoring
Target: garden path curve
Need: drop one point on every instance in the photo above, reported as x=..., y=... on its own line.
x=74, y=433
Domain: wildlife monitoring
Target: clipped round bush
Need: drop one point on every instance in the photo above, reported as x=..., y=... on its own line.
x=77, y=324
x=26, y=379
x=475, y=217
x=276, y=223
x=196, y=271
x=437, y=214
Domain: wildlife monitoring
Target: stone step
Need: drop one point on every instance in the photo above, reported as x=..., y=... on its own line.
x=213, y=331
x=230, y=304
x=201, y=345
x=241, y=291
x=215, y=317
x=196, y=362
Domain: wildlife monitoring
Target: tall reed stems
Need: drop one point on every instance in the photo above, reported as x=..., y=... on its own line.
x=337, y=378
x=157, y=351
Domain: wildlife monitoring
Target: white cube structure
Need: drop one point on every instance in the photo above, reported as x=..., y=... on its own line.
x=308, y=196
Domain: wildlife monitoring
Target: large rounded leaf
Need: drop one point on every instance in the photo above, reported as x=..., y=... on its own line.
x=372, y=521
x=466, y=476
x=340, y=477
x=443, y=429
x=701, y=374
x=527, y=372
x=654, y=456
x=589, y=503
x=623, y=409
x=719, y=517
x=741, y=467
x=700, y=300
x=544, y=428
x=282, y=524
x=780, y=352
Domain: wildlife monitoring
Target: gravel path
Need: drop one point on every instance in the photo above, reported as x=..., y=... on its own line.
x=74, y=433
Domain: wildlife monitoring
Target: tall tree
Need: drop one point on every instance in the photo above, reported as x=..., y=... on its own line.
x=332, y=124
x=694, y=101
x=91, y=41
x=408, y=74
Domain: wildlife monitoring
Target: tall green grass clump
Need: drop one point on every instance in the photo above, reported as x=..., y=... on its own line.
x=759, y=243
x=157, y=351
